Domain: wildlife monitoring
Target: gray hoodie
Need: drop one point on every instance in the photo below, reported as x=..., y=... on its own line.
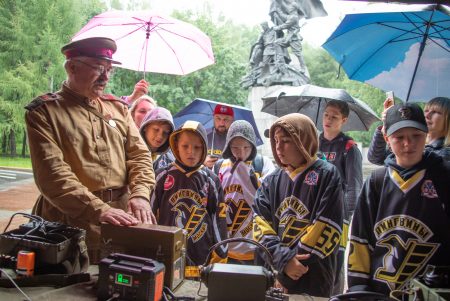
x=165, y=157
x=243, y=129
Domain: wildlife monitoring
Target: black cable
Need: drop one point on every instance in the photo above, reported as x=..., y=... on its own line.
x=30, y=216
x=15, y=284
x=242, y=239
x=40, y=222
x=198, y=291
x=34, y=237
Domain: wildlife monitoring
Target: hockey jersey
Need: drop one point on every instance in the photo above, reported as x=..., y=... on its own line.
x=192, y=201
x=239, y=192
x=302, y=213
x=400, y=226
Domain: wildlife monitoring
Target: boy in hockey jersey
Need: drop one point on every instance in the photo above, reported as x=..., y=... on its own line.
x=155, y=129
x=240, y=182
x=299, y=209
x=189, y=195
x=402, y=220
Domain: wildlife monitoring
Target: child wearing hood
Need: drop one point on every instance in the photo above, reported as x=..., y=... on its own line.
x=155, y=129
x=299, y=210
x=188, y=195
x=240, y=182
x=402, y=220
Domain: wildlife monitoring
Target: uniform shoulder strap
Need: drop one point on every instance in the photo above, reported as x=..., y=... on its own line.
x=40, y=100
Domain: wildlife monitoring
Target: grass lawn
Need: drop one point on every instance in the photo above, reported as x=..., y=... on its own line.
x=15, y=162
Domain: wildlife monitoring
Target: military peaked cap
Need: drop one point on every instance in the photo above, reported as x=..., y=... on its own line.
x=99, y=48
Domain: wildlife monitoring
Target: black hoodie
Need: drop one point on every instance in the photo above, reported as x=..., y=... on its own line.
x=401, y=224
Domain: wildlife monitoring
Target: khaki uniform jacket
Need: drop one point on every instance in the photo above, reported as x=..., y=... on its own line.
x=74, y=153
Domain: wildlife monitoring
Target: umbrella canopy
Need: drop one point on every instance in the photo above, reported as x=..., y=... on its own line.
x=149, y=42
x=404, y=52
x=311, y=100
x=202, y=110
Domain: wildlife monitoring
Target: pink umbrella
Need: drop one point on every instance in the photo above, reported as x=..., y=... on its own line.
x=149, y=42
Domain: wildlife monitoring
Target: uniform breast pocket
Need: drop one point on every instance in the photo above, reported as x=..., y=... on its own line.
x=73, y=136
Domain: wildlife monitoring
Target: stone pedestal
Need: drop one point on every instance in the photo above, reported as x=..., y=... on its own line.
x=263, y=120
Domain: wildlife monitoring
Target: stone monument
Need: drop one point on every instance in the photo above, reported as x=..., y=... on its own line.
x=271, y=64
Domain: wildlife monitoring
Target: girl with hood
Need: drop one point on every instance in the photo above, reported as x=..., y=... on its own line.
x=240, y=182
x=155, y=130
x=188, y=195
x=299, y=210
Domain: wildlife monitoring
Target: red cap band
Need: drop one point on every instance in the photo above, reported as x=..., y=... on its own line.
x=224, y=110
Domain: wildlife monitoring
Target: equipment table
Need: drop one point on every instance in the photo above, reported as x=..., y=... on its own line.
x=87, y=292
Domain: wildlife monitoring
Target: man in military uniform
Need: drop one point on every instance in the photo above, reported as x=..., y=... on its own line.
x=89, y=161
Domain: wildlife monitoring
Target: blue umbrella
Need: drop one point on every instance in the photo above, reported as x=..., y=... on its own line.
x=404, y=52
x=202, y=110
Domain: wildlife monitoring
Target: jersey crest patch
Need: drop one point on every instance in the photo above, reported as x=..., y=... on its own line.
x=428, y=190
x=169, y=182
x=311, y=178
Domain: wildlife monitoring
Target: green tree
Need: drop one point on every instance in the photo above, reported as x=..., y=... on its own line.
x=32, y=34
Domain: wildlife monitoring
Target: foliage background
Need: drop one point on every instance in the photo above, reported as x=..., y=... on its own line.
x=31, y=64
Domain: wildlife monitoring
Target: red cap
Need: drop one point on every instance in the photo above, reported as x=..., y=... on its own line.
x=224, y=110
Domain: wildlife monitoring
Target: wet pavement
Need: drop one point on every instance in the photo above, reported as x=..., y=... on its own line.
x=18, y=193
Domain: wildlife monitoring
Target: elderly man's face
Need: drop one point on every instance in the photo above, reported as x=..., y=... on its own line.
x=89, y=76
x=222, y=122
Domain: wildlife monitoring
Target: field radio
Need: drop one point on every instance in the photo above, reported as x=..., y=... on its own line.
x=162, y=243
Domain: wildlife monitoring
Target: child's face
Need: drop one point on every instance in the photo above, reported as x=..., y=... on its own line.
x=407, y=144
x=190, y=148
x=241, y=148
x=333, y=120
x=156, y=134
x=286, y=149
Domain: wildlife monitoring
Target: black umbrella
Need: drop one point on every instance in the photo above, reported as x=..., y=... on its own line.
x=311, y=100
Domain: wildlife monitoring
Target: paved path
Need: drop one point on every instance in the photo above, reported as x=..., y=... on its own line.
x=13, y=177
x=18, y=193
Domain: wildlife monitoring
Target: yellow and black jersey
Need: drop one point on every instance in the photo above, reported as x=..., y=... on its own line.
x=400, y=226
x=193, y=201
x=239, y=190
x=302, y=213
